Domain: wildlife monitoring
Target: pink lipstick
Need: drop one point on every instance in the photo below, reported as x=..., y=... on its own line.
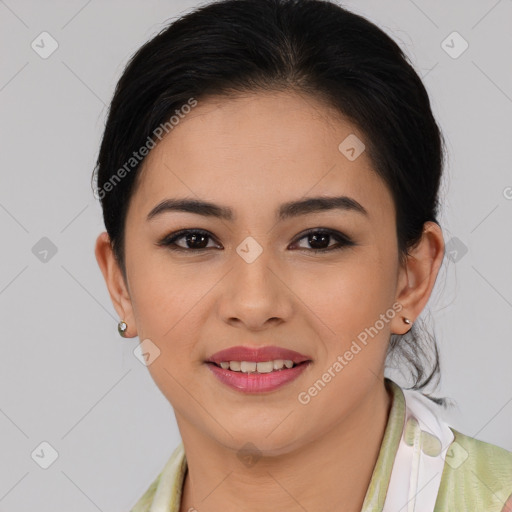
x=257, y=370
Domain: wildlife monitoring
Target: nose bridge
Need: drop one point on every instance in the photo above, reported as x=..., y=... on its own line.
x=253, y=266
x=254, y=293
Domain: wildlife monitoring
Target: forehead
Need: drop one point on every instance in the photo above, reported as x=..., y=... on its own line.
x=261, y=148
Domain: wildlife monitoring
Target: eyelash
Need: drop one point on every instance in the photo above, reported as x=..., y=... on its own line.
x=343, y=240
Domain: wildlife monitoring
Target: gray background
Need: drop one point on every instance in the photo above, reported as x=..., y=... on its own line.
x=67, y=378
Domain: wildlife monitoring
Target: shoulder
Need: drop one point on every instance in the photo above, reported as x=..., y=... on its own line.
x=476, y=476
x=165, y=490
x=145, y=501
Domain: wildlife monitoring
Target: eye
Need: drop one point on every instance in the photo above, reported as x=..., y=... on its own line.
x=194, y=240
x=319, y=240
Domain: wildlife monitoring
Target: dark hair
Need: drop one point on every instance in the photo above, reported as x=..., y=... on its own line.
x=316, y=47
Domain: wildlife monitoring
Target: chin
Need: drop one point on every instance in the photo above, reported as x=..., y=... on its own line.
x=258, y=443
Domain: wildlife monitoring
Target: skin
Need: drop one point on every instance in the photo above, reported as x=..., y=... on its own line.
x=252, y=154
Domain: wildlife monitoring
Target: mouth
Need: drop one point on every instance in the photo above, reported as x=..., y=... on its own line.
x=258, y=367
x=257, y=370
x=257, y=359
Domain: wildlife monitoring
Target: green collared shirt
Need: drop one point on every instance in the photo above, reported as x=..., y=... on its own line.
x=480, y=482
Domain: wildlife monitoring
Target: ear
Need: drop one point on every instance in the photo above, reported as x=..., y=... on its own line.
x=116, y=284
x=418, y=276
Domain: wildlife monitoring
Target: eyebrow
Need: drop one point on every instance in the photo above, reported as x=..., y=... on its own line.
x=285, y=211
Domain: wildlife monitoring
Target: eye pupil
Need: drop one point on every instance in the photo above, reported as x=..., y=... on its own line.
x=314, y=240
x=192, y=238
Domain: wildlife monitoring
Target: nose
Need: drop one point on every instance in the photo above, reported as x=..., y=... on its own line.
x=255, y=295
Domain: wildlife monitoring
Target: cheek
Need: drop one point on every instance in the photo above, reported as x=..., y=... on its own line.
x=167, y=300
x=349, y=293
x=346, y=300
x=156, y=301
x=156, y=288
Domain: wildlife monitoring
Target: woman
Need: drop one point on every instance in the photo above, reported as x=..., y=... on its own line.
x=269, y=178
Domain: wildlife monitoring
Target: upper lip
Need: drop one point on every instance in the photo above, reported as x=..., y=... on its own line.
x=256, y=354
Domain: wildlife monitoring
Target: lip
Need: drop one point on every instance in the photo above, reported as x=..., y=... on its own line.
x=257, y=354
x=257, y=382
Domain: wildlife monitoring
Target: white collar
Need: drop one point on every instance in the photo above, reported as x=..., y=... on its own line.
x=420, y=458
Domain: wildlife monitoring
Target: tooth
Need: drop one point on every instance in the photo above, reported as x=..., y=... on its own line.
x=265, y=367
x=260, y=367
x=247, y=366
x=234, y=365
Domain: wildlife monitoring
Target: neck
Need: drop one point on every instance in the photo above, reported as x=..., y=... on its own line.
x=332, y=472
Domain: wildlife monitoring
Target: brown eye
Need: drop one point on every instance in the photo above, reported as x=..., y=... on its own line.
x=193, y=240
x=320, y=240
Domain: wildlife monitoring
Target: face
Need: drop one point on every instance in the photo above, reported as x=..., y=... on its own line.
x=312, y=280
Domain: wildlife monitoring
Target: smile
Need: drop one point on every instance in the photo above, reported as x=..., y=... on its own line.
x=247, y=378
x=258, y=367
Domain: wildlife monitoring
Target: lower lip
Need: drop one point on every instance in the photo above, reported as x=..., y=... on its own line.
x=257, y=382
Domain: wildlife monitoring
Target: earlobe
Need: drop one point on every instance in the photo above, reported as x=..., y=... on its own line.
x=418, y=276
x=115, y=282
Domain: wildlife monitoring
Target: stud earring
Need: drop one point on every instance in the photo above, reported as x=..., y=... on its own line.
x=122, y=327
x=406, y=320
